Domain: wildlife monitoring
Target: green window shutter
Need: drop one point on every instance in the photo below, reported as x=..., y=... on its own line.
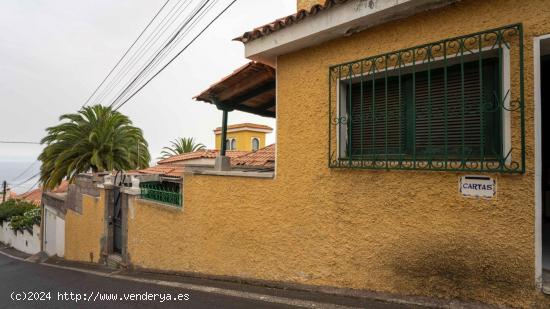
x=434, y=122
x=462, y=125
x=368, y=137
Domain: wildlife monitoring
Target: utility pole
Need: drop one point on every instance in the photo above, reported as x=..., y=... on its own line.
x=4, y=191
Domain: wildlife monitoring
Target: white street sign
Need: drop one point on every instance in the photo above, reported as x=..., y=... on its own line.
x=478, y=186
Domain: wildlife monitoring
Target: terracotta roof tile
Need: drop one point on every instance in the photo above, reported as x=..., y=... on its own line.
x=264, y=157
x=166, y=170
x=35, y=196
x=206, y=153
x=286, y=21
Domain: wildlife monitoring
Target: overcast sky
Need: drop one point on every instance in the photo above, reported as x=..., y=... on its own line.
x=54, y=53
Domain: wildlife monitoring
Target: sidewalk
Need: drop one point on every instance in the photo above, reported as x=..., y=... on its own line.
x=288, y=296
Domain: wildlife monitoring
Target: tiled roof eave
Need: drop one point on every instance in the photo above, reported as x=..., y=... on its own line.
x=287, y=21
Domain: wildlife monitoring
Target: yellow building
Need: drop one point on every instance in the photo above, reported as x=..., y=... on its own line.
x=409, y=162
x=243, y=136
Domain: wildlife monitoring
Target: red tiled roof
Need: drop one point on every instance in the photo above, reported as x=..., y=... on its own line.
x=264, y=157
x=62, y=188
x=206, y=153
x=289, y=20
x=166, y=170
x=245, y=125
x=35, y=196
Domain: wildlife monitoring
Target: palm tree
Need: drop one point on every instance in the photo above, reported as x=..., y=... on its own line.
x=181, y=145
x=94, y=139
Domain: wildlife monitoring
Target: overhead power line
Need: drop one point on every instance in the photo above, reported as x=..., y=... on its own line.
x=173, y=37
x=32, y=187
x=19, y=142
x=148, y=43
x=27, y=180
x=165, y=52
x=125, y=53
x=178, y=54
x=25, y=171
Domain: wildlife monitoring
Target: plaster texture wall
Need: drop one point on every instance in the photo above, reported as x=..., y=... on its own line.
x=85, y=231
x=307, y=4
x=401, y=232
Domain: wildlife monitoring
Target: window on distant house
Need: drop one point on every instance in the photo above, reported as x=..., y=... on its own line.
x=255, y=143
x=443, y=106
x=228, y=144
x=233, y=144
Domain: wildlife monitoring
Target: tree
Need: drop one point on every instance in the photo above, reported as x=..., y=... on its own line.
x=95, y=139
x=181, y=145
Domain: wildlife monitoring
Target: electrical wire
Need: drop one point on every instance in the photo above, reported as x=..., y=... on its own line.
x=125, y=53
x=160, y=48
x=198, y=9
x=164, y=53
x=32, y=187
x=178, y=54
x=25, y=171
x=24, y=182
x=151, y=39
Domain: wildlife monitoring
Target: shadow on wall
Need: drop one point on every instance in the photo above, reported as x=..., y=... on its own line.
x=462, y=267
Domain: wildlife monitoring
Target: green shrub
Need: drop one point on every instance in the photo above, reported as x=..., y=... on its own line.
x=13, y=208
x=26, y=221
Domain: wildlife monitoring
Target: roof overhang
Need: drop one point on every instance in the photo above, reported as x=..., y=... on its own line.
x=250, y=89
x=341, y=20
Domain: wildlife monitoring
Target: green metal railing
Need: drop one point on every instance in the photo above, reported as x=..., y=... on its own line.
x=452, y=105
x=167, y=193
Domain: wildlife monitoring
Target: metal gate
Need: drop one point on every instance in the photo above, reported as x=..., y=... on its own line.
x=117, y=221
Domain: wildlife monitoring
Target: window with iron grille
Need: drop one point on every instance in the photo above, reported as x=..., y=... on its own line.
x=447, y=105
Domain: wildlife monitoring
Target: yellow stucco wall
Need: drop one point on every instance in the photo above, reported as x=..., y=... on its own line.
x=243, y=138
x=83, y=232
x=392, y=231
x=306, y=4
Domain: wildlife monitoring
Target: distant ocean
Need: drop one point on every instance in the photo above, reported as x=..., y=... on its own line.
x=19, y=182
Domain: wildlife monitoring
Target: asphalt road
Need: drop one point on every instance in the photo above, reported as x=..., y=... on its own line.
x=19, y=277
x=63, y=288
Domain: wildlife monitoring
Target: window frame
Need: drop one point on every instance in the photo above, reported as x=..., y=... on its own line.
x=503, y=53
x=252, y=143
x=512, y=100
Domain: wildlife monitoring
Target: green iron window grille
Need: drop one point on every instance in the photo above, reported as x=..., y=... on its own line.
x=451, y=105
x=164, y=192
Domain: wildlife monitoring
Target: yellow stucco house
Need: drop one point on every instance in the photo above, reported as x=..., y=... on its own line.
x=411, y=158
x=243, y=136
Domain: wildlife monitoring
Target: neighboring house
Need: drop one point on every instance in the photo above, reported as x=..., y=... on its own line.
x=243, y=136
x=409, y=159
x=35, y=196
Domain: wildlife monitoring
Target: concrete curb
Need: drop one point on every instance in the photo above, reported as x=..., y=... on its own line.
x=198, y=288
x=436, y=303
